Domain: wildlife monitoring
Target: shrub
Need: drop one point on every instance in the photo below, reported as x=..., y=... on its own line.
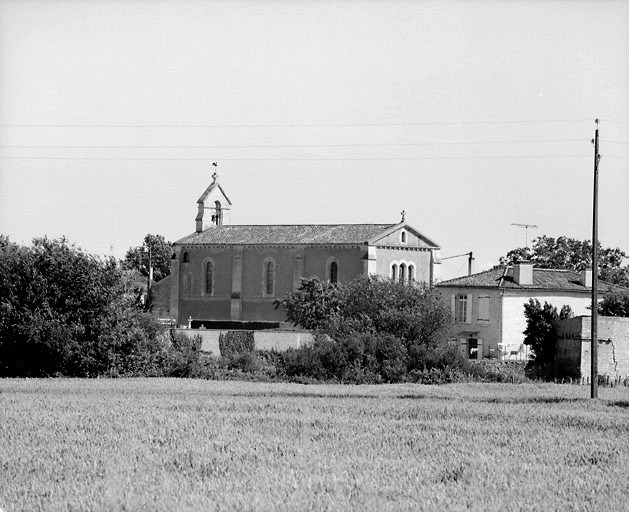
x=234, y=343
x=183, y=357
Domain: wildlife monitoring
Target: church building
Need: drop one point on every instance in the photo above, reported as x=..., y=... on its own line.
x=228, y=276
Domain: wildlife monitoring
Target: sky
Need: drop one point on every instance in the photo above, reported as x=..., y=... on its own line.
x=469, y=116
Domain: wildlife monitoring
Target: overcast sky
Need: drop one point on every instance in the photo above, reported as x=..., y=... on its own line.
x=469, y=115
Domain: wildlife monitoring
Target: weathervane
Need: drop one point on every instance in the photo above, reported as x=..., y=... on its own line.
x=215, y=175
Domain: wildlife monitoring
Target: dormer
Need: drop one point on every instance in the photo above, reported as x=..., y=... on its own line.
x=213, y=207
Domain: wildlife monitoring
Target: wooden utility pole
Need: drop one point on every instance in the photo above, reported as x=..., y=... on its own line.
x=594, y=328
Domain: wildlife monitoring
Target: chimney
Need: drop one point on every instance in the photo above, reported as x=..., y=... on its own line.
x=523, y=273
x=586, y=277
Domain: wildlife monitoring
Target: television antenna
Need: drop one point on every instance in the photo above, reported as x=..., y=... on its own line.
x=526, y=231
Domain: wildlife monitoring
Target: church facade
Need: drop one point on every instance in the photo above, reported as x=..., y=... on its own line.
x=225, y=274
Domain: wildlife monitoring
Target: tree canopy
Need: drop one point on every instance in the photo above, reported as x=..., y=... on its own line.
x=160, y=251
x=410, y=312
x=571, y=254
x=540, y=334
x=63, y=311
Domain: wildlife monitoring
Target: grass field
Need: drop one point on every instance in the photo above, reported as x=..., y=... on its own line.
x=162, y=444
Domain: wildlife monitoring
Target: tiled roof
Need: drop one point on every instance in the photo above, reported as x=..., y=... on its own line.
x=543, y=279
x=286, y=234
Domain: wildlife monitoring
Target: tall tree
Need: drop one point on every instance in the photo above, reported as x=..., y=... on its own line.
x=160, y=252
x=571, y=254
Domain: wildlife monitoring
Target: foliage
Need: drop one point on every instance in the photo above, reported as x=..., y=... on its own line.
x=541, y=333
x=571, y=254
x=66, y=312
x=314, y=304
x=236, y=342
x=614, y=304
x=414, y=313
x=160, y=251
x=183, y=356
x=369, y=330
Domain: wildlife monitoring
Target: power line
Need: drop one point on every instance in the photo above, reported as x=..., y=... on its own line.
x=256, y=146
x=293, y=159
x=614, y=141
x=296, y=125
x=612, y=121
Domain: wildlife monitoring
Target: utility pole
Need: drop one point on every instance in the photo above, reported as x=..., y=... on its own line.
x=526, y=231
x=594, y=328
x=470, y=260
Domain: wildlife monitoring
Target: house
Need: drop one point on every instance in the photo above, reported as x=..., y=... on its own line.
x=488, y=307
x=229, y=276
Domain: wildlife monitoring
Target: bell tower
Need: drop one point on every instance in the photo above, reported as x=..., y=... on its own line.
x=213, y=206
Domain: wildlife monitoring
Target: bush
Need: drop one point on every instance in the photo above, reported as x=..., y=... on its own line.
x=234, y=343
x=183, y=356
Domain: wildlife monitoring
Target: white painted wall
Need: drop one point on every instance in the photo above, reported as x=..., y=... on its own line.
x=514, y=321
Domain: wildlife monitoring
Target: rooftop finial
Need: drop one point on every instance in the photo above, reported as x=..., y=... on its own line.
x=215, y=175
x=403, y=213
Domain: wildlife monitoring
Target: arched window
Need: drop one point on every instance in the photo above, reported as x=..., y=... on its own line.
x=411, y=273
x=402, y=273
x=334, y=272
x=403, y=237
x=394, y=272
x=209, y=278
x=269, y=277
x=218, y=213
x=186, y=257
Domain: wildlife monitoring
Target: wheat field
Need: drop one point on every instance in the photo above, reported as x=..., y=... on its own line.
x=170, y=445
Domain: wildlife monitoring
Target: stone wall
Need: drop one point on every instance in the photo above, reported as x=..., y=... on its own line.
x=264, y=340
x=575, y=342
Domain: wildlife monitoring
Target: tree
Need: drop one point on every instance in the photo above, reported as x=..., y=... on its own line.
x=160, y=251
x=371, y=329
x=63, y=311
x=541, y=334
x=571, y=254
x=614, y=304
x=313, y=306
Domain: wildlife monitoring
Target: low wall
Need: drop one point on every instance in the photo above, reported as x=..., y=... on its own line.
x=575, y=343
x=264, y=340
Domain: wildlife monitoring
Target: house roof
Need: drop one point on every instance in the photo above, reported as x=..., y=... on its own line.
x=543, y=279
x=286, y=234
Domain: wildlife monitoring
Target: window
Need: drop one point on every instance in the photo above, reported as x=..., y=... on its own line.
x=269, y=277
x=483, y=308
x=394, y=272
x=402, y=273
x=403, y=237
x=411, y=273
x=186, y=257
x=461, y=309
x=209, y=278
x=334, y=272
x=218, y=212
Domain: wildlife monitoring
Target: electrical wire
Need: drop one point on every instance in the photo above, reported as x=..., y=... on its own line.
x=328, y=125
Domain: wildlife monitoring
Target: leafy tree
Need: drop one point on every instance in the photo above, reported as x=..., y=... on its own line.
x=540, y=333
x=313, y=306
x=63, y=311
x=368, y=330
x=410, y=312
x=614, y=304
x=160, y=254
x=571, y=254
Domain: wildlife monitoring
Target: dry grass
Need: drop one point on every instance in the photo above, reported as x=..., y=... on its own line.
x=165, y=444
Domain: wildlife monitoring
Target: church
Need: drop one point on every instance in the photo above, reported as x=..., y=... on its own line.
x=228, y=276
